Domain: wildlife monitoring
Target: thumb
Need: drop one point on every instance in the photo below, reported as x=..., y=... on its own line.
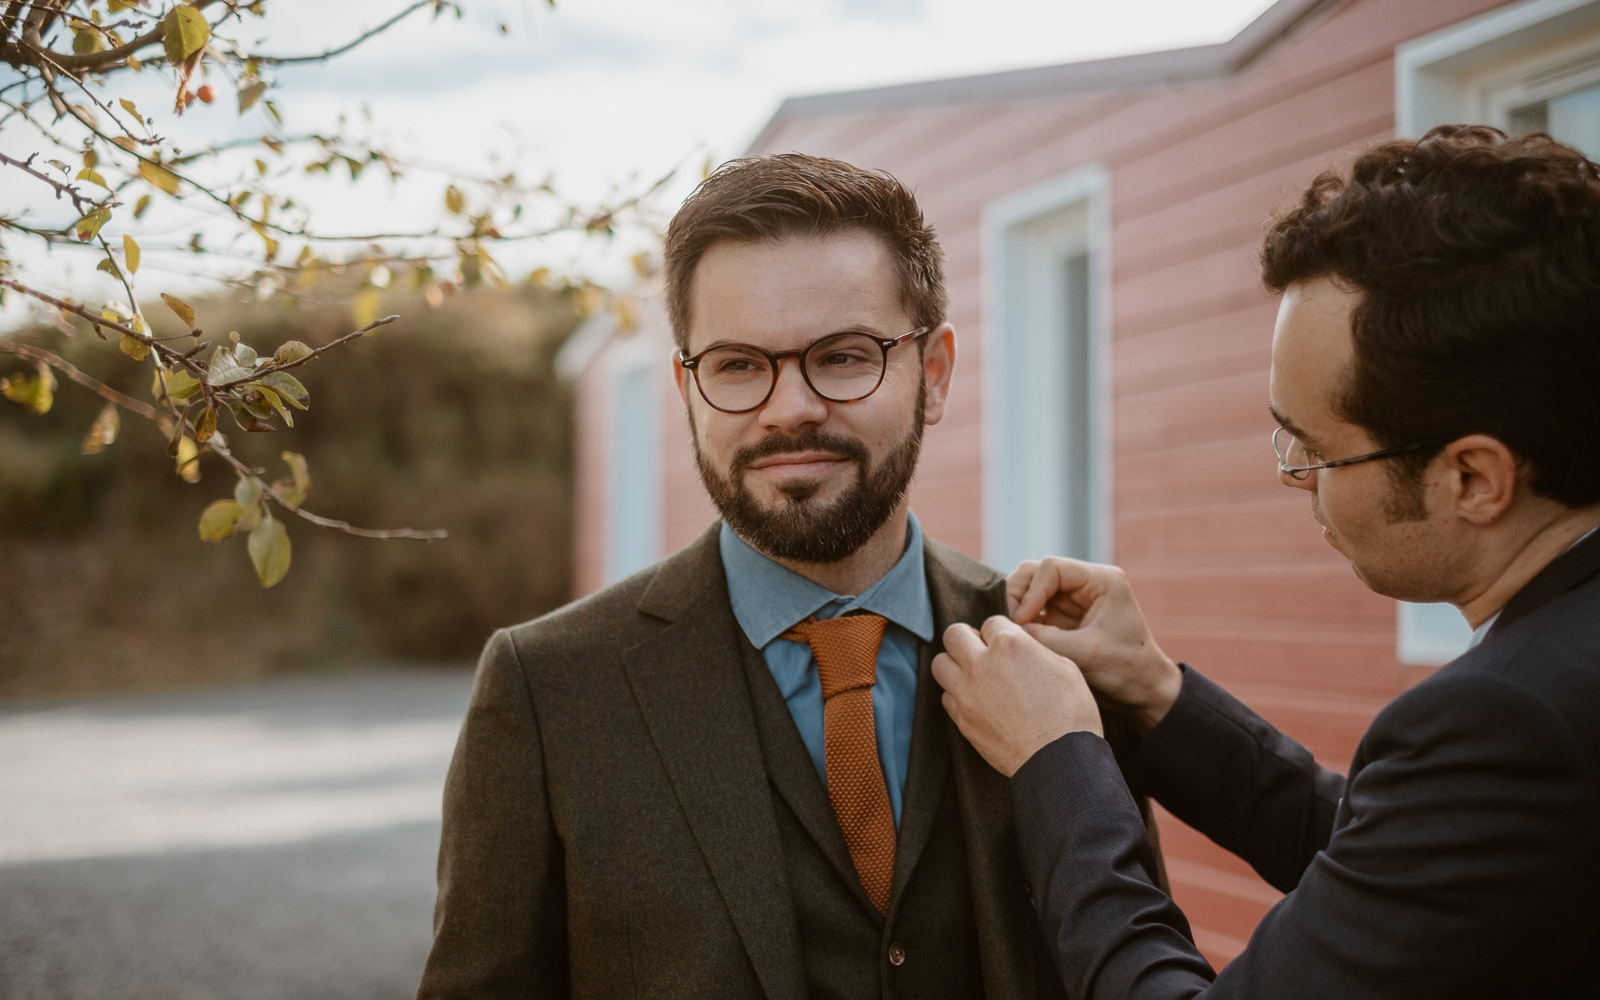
x=1074, y=644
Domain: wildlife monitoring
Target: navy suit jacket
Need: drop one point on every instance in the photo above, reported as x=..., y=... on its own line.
x=1460, y=858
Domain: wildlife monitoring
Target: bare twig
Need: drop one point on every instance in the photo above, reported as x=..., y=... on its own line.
x=385, y=26
x=95, y=318
x=255, y=376
x=62, y=187
x=89, y=382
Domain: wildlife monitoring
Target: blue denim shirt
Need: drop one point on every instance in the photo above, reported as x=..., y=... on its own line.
x=767, y=599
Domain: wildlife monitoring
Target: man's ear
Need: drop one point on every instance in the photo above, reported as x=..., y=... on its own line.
x=681, y=376
x=938, y=365
x=1483, y=478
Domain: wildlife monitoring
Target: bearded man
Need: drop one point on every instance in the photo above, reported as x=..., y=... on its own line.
x=729, y=776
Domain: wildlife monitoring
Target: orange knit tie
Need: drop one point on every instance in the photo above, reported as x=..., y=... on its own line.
x=846, y=651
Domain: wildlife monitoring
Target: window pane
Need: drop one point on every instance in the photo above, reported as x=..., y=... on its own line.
x=1575, y=118
x=1532, y=118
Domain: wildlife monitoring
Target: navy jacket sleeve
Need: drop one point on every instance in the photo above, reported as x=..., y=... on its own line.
x=1459, y=864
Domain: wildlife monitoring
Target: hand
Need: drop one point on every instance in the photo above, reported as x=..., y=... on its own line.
x=1087, y=613
x=1010, y=695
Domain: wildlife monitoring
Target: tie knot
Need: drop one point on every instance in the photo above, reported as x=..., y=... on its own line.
x=845, y=648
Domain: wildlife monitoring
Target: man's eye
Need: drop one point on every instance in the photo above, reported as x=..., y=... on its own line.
x=838, y=359
x=734, y=366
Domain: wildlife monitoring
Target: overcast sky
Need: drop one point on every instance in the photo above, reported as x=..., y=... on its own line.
x=605, y=94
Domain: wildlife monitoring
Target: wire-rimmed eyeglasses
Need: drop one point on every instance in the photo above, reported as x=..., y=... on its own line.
x=1295, y=462
x=841, y=368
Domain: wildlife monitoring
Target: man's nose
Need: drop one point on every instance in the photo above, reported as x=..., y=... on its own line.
x=1308, y=483
x=792, y=404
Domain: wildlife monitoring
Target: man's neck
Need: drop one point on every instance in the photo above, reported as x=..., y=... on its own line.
x=1547, y=539
x=865, y=566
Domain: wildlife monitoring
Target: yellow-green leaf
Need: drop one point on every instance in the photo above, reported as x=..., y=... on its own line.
x=183, y=309
x=125, y=142
x=247, y=492
x=269, y=551
x=181, y=385
x=205, y=425
x=140, y=205
x=288, y=387
x=130, y=253
x=272, y=399
x=157, y=175
x=36, y=392
x=250, y=90
x=219, y=520
x=134, y=348
x=301, y=484
x=86, y=42
x=453, y=199
x=290, y=350
x=188, y=459
x=92, y=175
x=109, y=266
x=90, y=224
x=103, y=432
x=129, y=107
x=185, y=33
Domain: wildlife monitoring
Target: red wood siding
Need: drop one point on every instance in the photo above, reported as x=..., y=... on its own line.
x=1229, y=565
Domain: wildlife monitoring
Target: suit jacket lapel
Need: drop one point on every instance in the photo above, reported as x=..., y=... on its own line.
x=926, y=773
x=1564, y=572
x=964, y=591
x=689, y=683
x=794, y=775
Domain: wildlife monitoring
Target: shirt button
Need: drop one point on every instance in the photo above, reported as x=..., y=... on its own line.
x=897, y=954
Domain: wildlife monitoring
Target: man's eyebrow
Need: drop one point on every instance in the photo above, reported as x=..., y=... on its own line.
x=1289, y=425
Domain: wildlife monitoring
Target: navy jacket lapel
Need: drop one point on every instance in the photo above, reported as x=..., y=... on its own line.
x=689, y=683
x=1564, y=572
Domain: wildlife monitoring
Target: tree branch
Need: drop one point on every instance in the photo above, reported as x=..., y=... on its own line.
x=255, y=376
x=165, y=422
x=62, y=188
x=96, y=61
x=341, y=50
x=89, y=382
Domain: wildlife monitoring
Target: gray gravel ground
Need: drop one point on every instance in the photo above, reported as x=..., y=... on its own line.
x=274, y=840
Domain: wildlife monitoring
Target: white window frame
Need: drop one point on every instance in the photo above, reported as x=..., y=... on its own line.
x=633, y=492
x=1022, y=496
x=1478, y=70
x=1461, y=73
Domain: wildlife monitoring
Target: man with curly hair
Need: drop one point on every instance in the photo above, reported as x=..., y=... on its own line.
x=1436, y=379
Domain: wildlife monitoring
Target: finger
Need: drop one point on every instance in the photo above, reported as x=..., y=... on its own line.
x=1061, y=641
x=948, y=673
x=997, y=625
x=1017, y=583
x=1044, y=585
x=963, y=643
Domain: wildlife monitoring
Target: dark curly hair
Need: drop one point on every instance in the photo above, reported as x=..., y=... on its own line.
x=1477, y=261
x=765, y=198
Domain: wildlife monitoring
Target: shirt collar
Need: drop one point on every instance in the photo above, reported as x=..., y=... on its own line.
x=768, y=598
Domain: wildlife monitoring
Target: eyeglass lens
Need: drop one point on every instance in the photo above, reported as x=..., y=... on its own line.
x=843, y=367
x=1291, y=453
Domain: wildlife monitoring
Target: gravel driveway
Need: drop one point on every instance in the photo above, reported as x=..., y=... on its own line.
x=264, y=841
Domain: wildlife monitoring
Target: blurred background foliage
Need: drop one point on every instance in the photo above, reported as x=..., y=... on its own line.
x=450, y=418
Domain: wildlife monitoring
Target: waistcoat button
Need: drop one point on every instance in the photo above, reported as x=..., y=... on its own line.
x=897, y=954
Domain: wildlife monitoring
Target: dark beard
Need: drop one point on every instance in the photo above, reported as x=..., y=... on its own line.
x=798, y=529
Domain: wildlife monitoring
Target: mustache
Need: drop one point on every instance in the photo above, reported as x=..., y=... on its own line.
x=777, y=443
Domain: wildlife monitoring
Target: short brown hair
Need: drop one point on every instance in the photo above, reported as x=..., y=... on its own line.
x=765, y=198
x=1477, y=259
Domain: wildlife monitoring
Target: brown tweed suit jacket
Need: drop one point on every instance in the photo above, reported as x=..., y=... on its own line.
x=608, y=819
